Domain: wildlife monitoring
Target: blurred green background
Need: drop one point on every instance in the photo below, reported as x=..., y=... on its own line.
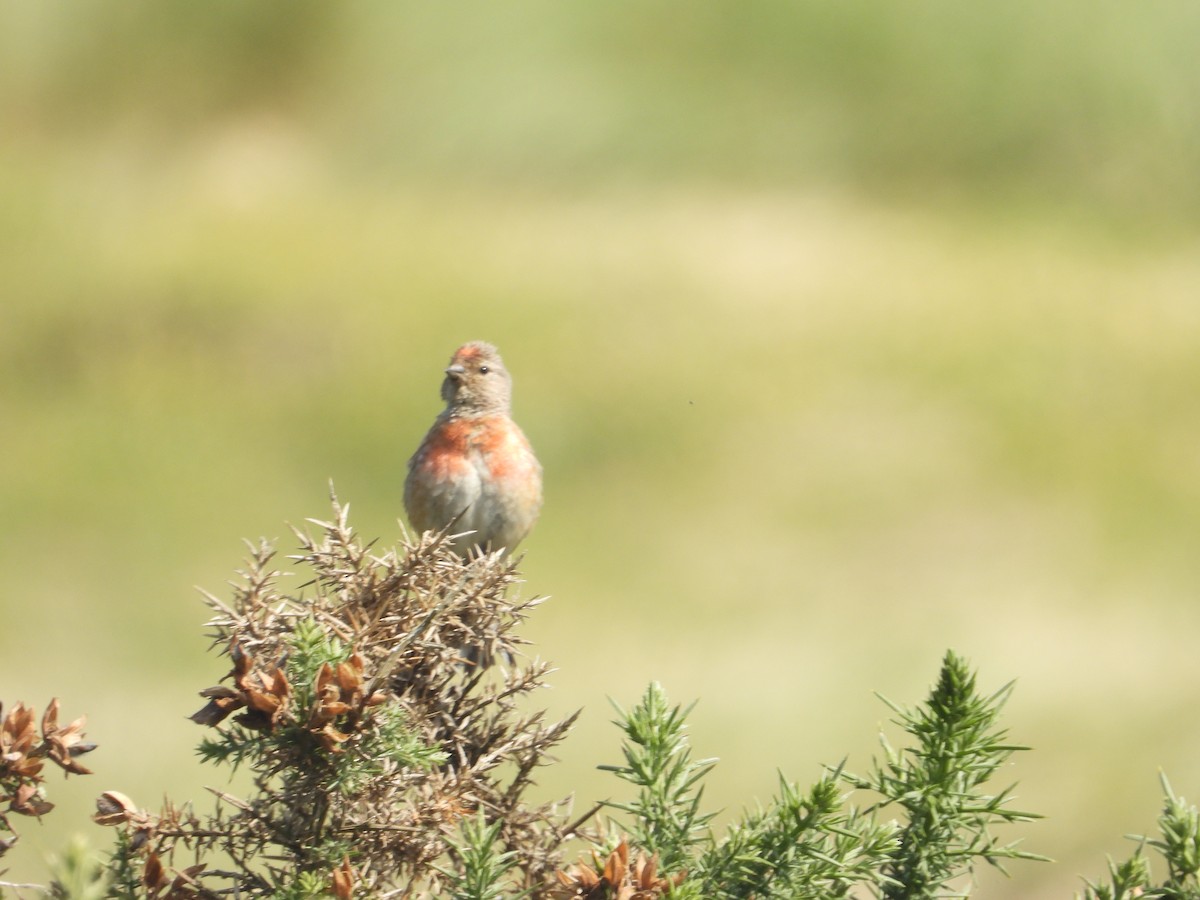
x=846, y=333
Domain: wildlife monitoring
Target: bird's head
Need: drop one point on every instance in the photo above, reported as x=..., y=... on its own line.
x=476, y=380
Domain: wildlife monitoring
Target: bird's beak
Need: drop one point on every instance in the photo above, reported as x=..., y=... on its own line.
x=456, y=371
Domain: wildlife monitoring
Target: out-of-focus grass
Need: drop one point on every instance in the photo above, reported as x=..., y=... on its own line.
x=1021, y=103
x=845, y=333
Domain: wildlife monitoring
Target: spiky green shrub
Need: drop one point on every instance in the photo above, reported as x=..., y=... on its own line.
x=814, y=843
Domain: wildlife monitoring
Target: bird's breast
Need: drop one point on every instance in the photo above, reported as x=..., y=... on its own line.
x=446, y=451
x=504, y=451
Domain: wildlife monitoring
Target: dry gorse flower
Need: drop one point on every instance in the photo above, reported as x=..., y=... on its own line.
x=615, y=878
x=23, y=755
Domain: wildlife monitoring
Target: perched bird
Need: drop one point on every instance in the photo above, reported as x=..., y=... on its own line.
x=475, y=471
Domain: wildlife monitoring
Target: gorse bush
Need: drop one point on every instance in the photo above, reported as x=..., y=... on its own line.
x=383, y=762
x=812, y=843
x=370, y=742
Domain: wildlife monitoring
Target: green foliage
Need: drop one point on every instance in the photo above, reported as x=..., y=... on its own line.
x=123, y=867
x=1178, y=843
x=802, y=845
x=391, y=743
x=233, y=746
x=1127, y=880
x=812, y=844
x=79, y=874
x=1179, y=826
x=483, y=870
x=309, y=648
x=307, y=886
x=666, y=813
x=938, y=780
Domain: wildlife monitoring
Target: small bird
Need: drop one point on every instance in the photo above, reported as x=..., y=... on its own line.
x=475, y=471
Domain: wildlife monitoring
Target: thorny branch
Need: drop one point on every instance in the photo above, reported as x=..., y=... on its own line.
x=371, y=732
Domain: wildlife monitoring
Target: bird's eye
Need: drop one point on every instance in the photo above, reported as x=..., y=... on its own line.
x=483, y=370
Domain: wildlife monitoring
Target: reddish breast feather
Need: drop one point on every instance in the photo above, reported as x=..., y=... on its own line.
x=446, y=452
x=503, y=447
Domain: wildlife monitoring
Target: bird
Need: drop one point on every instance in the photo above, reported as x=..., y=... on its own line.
x=475, y=474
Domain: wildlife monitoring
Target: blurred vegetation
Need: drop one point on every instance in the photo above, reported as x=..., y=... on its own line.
x=1028, y=103
x=845, y=332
